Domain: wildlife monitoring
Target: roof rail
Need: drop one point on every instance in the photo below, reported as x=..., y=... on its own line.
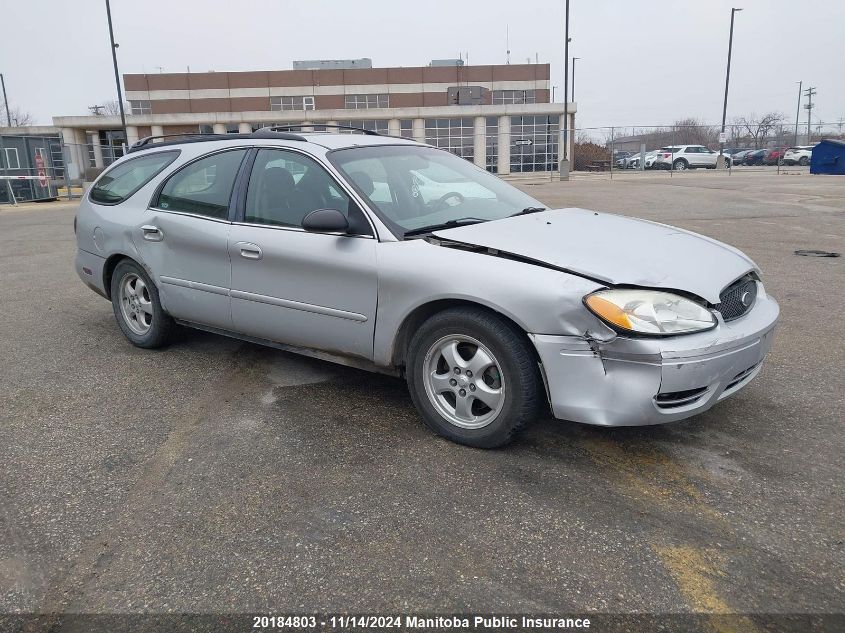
x=295, y=126
x=198, y=137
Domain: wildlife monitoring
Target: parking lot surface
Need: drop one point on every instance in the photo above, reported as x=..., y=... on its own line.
x=221, y=476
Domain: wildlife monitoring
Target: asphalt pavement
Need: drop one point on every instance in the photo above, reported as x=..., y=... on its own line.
x=220, y=476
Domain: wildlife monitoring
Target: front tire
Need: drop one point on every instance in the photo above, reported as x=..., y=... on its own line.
x=137, y=307
x=473, y=377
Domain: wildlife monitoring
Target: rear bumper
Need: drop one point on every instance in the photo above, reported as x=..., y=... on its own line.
x=633, y=382
x=90, y=267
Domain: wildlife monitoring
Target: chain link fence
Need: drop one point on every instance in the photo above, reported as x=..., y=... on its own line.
x=758, y=144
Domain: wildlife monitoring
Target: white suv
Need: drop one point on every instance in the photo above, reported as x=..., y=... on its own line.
x=798, y=155
x=682, y=157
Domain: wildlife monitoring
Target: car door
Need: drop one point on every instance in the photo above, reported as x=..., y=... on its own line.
x=183, y=238
x=315, y=290
x=692, y=155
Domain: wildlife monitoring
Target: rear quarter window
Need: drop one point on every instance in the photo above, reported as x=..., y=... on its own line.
x=123, y=180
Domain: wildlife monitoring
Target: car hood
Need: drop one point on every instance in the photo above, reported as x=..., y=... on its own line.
x=612, y=249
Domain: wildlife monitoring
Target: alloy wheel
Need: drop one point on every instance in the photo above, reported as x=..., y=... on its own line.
x=464, y=381
x=136, y=305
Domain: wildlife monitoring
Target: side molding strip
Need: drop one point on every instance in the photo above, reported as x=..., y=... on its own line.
x=273, y=301
x=297, y=305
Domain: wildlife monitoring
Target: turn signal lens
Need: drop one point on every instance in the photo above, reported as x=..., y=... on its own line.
x=650, y=311
x=609, y=312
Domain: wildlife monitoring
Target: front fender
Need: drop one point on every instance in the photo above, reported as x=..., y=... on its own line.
x=414, y=273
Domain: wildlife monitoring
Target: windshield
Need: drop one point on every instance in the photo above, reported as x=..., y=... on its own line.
x=414, y=187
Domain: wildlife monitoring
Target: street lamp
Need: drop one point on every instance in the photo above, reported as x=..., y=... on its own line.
x=721, y=162
x=573, y=77
x=116, y=74
x=6, y=101
x=564, y=163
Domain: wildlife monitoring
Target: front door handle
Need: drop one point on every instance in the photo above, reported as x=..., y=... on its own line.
x=152, y=233
x=249, y=250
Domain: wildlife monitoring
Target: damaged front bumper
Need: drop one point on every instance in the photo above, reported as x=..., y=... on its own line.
x=638, y=381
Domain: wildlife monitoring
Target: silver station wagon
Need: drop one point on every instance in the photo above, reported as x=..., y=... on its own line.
x=385, y=253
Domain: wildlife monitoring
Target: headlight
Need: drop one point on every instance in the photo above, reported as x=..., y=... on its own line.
x=649, y=311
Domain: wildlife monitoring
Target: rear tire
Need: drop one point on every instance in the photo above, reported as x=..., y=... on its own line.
x=473, y=377
x=803, y=161
x=680, y=164
x=137, y=307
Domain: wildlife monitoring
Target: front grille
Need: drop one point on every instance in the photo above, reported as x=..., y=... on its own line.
x=737, y=298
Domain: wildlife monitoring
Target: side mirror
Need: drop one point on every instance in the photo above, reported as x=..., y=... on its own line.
x=325, y=221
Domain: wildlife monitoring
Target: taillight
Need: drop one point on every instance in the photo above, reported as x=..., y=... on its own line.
x=666, y=155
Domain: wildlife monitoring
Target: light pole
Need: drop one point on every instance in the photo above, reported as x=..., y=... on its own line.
x=798, y=109
x=564, y=163
x=573, y=77
x=721, y=162
x=116, y=74
x=6, y=101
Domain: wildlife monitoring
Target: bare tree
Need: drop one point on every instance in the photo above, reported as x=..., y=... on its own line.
x=756, y=129
x=20, y=118
x=112, y=108
x=692, y=131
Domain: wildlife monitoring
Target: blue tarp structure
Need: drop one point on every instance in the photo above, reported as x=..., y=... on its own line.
x=828, y=157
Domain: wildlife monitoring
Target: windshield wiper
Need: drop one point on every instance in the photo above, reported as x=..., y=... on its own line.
x=443, y=225
x=528, y=210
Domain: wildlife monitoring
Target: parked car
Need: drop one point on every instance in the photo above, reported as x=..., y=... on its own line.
x=798, y=155
x=773, y=156
x=634, y=161
x=755, y=157
x=681, y=157
x=492, y=307
x=620, y=158
x=738, y=157
x=731, y=152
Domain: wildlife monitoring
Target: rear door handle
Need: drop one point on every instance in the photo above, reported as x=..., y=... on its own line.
x=249, y=250
x=152, y=233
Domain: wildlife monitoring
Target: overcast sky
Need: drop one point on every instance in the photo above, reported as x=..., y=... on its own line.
x=642, y=62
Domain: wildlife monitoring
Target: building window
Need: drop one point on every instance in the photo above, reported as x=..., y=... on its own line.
x=455, y=135
x=375, y=125
x=534, y=141
x=12, y=160
x=502, y=97
x=140, y=107
x=292, y=103
x=362, y=102
x=406, y=128
x=492, y=144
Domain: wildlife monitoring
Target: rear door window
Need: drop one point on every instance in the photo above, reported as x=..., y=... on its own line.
x=123, y=180
x=203, y=187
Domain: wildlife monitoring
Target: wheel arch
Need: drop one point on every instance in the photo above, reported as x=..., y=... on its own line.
x=422, y=312
x=108, y=269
